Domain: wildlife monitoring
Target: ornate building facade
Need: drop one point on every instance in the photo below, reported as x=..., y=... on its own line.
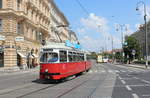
x=59, y=24
x=24, y=26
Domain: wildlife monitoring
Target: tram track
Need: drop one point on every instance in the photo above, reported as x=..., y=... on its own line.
x=38, y=90
x=53, y=85
x=47, y=87
x=29, y=85
x=79, y=85
x=68, y=91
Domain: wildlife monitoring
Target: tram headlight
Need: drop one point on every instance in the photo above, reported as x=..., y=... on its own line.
x=46, y=70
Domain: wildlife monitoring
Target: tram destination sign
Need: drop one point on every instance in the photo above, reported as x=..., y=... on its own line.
x=47, y=49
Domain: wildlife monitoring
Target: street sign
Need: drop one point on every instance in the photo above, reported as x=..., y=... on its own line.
x=19, y=38
x=133, y=52
x=2, y=37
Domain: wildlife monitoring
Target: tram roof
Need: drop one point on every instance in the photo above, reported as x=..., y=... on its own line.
x=58, y=46
x=62, y=46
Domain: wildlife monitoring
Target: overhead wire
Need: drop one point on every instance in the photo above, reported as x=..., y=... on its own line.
x=82, y=7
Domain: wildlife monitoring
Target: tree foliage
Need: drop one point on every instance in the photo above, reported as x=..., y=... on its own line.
x=131, y=44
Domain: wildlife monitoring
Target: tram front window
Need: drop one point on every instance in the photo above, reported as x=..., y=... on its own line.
x=49, y=58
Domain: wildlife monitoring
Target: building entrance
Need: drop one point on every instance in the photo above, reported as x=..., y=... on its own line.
x=1, y=59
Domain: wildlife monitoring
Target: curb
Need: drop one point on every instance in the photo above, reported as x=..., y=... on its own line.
x=136, y=66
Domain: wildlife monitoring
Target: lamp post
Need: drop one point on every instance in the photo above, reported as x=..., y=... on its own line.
x=121, y=26
x=146, y=39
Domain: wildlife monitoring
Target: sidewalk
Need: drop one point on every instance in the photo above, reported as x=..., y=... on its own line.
x=7, y=70
x=141, y=66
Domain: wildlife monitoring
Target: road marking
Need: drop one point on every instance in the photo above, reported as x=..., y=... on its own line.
x=146, y=95
x=90, y=71
x=123, y=71
x=95, y=71
x=117, y=71
x=103, y=71
x=135, y=96
x=128, y=88
x=120, y=78
x=123, y=81
x=136, y=78
x=145, y=81
x=110, y=71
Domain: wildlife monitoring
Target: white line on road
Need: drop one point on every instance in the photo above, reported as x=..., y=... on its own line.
x=95, y=71
x=110, y=71
x=103, y=71
x=135, y=96
x=146, y=95
x=117, y=71
x=120, y=78
x=136, y=78
x=128, y=88
x=123, y=81
x=123, y=71
x=145, y=81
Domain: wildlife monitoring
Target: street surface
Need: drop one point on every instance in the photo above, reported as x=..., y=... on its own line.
x=102, y=81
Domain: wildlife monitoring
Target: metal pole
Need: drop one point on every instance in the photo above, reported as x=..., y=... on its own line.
x=112, y=50
x=146, y=39
x=121, y=26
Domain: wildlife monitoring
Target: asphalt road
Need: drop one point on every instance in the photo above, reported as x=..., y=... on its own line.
x=102, y=81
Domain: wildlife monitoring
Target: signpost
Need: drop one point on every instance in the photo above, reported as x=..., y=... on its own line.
x=133, y=53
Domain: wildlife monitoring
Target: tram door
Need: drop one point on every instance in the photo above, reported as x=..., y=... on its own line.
x=1, y=59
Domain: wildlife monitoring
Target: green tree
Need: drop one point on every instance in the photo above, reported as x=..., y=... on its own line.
x=131, y=44
x=93, y=55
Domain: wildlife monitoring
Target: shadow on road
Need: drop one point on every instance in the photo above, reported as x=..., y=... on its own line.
x=46, y=81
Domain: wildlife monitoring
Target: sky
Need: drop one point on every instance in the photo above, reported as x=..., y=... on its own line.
x=100, y=25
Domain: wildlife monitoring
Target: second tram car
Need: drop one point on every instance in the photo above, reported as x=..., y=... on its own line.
x=59, y=63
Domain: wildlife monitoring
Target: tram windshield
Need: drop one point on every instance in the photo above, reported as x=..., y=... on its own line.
x=49, y=57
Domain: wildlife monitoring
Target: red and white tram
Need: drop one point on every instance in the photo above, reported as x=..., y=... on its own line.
x=59, y=63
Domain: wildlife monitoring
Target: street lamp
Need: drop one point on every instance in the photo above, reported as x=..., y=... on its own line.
x=146, y=38
x=121, y=26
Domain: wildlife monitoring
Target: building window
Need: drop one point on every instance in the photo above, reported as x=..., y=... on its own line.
x=19, y=29
x=1, y=4
x=18, y=4
x=37, y=35
x=1, y=29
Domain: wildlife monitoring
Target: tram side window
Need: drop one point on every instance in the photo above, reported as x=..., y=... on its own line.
x=63, y=56
x=74, y=57
x=82, y=57
x=52, y=57
x=44, y=57
x=49, y=57
x=70, y=56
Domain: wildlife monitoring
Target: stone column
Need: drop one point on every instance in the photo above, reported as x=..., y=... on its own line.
x=10, y=56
